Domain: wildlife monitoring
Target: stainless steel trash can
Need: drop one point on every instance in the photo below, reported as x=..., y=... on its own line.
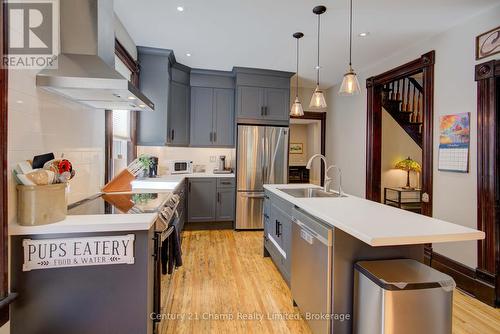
x=401, y=296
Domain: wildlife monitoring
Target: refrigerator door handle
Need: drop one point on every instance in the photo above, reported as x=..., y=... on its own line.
x=264, y=161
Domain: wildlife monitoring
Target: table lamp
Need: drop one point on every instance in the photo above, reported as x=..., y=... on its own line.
x=408, y=165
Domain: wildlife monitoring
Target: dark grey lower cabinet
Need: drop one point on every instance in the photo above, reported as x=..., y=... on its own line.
x=202, y=202
x=225, y=204
x=210, y=200
x=278, y=233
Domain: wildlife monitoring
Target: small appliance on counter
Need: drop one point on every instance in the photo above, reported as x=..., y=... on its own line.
x=221, y=166
x=153, y=167
x=181, y=167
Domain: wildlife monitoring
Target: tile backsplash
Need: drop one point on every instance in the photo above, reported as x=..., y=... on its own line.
x=42, y=122
x=199, y=156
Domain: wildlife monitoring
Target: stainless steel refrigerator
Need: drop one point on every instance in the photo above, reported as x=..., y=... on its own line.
x=261, y=158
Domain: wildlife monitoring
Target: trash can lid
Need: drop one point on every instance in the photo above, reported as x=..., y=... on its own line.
x=404, y=274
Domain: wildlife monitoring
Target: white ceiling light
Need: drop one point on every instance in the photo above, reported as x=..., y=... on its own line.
x=180, y=8
x=364, y=34
x=188, y=54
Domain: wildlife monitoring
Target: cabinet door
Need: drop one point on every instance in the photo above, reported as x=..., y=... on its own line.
x=202, y=199
x=250, y=102
x=178, y=114
x=154, y=83
x=201, y=116
x=225, y=204
x=277, y=103
x=223, y=117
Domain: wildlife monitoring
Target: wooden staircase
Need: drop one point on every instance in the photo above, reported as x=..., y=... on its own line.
x=403, y=100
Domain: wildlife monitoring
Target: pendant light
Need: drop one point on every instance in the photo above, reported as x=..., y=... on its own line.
x=318, y=98
x=350, y=83
x=297, y=109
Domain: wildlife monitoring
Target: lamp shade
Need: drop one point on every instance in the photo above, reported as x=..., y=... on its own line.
x=318, y=99
x=297, y=109
x=350, y=84
x=409, y=165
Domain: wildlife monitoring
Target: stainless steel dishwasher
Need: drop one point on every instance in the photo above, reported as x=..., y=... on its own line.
x=312, y=264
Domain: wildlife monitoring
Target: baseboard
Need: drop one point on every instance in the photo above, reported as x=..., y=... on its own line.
x=467, y=279
x=193, y=226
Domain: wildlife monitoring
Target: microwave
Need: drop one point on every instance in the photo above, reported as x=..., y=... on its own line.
x=181, y=167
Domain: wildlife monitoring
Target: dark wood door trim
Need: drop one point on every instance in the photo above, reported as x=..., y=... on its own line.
x=321, y=116
x=374, y=86
x=487, y=76
x=4, y=215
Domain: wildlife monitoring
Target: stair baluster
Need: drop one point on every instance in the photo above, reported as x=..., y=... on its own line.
x=408, y=96
x=403, y=102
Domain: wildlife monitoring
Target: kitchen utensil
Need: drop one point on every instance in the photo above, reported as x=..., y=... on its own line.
x=40, y=160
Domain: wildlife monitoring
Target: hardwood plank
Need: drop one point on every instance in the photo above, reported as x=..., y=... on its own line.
x=224, y=274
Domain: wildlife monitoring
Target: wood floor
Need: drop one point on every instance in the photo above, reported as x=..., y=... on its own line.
x=224, y=278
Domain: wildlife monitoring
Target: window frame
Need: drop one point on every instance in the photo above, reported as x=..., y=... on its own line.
x=133, y=66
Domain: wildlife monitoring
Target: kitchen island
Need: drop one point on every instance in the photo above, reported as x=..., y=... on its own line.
x=341, y=230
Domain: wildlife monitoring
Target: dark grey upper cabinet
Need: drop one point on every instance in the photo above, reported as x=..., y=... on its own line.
x=263, y=96
x=178, y=115
x=202, y=203
x=201, y=116
x=168, y=87
x=212, y=109
x=154, y=83
x=250, y=102
x=277, y=103
x=223, y=121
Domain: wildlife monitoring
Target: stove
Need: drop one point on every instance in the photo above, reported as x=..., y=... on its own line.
x=120, y=203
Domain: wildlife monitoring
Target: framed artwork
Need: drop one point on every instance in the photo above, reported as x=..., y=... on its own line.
x=454, y=139
x=296, y=148
x=488, y=43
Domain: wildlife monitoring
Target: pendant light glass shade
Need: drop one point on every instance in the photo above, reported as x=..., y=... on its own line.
x=350, y=84
x=318, y=99
x=297, y=109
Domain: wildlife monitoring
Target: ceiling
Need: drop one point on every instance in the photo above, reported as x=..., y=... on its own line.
x=220, y=34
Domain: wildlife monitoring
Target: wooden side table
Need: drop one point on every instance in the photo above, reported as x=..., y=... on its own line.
x=406, y=199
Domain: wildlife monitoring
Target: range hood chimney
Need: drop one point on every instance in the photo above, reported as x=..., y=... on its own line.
x=86, y=65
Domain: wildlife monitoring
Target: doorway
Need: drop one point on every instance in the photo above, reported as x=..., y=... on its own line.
x=307, y=137
x=400, y=126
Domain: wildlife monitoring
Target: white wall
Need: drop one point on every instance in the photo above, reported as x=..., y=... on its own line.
x=199, y=156
x=396, y=146
x=455, y=197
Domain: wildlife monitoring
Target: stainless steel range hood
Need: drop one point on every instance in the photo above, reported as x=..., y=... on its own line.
x=86, y=65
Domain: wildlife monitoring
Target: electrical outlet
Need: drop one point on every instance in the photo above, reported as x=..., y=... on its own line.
x=212, y=158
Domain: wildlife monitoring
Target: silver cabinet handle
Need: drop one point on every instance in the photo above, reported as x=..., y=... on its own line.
x=254, y=196
x=215, y=136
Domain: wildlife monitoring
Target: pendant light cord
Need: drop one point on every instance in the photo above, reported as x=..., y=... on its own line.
x=297, y=79
x=317, y=70
x=350, y=36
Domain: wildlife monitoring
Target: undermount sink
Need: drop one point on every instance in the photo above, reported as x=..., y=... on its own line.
x=308, y=192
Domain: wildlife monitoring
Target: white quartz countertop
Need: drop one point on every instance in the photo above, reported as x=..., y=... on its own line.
x=113, y=223
x=377, y=224
x=89, y=224
x=171, y=182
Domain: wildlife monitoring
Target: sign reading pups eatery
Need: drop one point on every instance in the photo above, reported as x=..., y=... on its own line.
x=75, y=252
